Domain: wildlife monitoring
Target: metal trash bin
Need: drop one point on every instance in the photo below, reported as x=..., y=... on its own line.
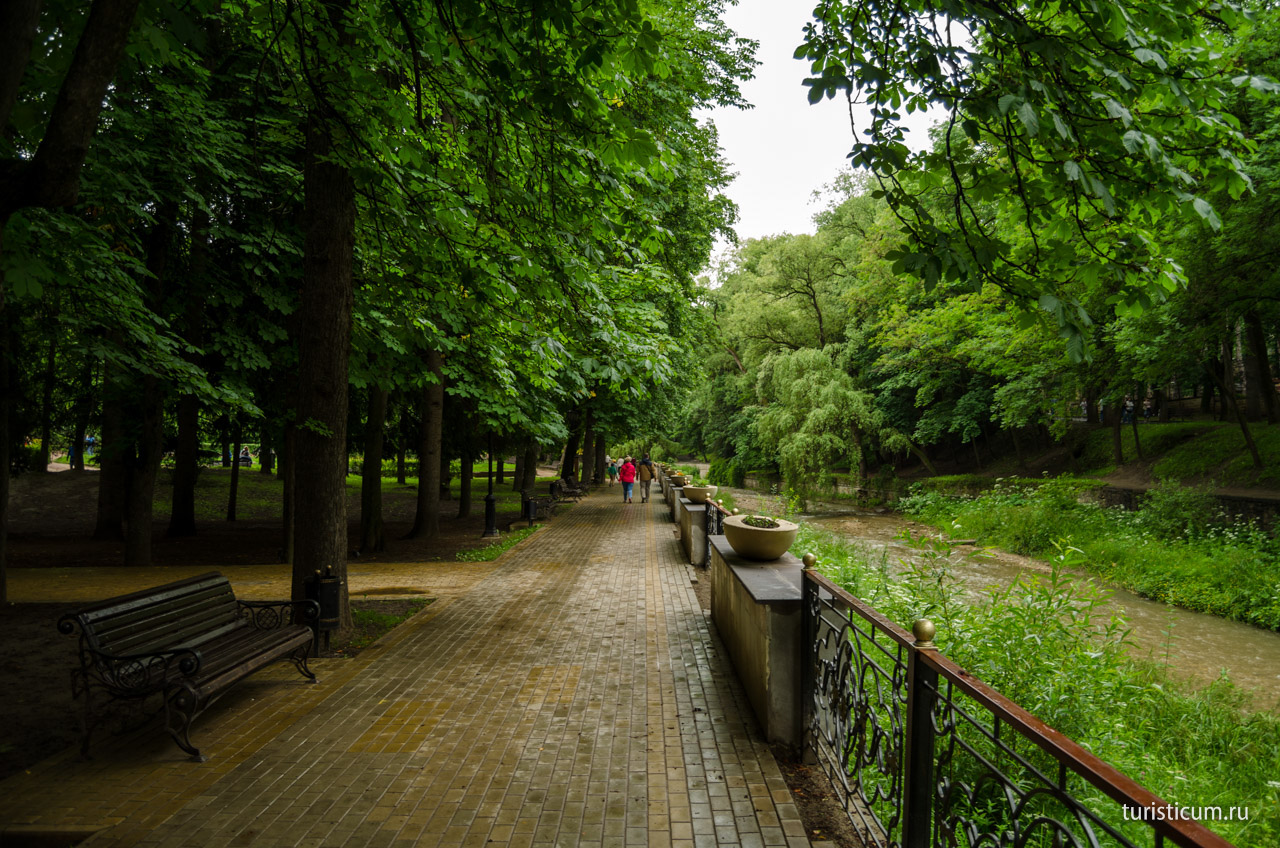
x=326, y=590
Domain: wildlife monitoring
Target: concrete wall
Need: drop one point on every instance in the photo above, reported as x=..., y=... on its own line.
x=756, y=608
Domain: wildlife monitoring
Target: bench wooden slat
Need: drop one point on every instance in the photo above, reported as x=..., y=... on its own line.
x=187, y=641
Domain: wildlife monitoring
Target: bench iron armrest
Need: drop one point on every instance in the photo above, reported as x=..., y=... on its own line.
x=137, y=675
x=269, y=615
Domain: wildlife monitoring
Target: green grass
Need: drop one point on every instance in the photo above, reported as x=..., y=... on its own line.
x=371, y=625
x=1049, y=645
x=1097, y=457
x=492, y=551
x=1176, y=549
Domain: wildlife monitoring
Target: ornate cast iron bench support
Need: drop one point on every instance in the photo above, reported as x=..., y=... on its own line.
x=186, y=642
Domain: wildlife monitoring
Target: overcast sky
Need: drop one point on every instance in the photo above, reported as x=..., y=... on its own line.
x=783, y=149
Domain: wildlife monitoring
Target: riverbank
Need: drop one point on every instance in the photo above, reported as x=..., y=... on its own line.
x=1052, y=644
x=1177, y=548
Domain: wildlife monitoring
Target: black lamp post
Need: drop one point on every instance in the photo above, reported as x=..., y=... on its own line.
x=490, y=502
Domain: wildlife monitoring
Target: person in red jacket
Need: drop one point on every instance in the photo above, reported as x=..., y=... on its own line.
x=627, y=474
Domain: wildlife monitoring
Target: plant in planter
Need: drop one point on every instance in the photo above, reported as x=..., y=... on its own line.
x=759, y=537
x=699, y=490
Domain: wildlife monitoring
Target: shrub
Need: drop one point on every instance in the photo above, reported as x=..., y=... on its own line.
x=1173, y=511
x=727, y=472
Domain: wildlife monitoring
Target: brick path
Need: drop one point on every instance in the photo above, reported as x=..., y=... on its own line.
x=571, y=694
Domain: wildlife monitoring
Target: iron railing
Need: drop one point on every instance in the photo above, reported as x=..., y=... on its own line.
x=714, y=526
x=923, y=755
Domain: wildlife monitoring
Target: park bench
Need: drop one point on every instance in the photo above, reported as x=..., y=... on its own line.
x=562, y=491
x=534, y=508
x=186, y=643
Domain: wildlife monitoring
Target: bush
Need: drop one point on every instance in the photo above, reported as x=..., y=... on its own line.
x=727, y=472
x=1172, y=511
x=23, y=459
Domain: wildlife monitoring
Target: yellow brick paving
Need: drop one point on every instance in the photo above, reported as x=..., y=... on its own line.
x=571, y=694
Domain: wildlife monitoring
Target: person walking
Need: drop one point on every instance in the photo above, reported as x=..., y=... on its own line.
x=645, y=473
x=627, y=474
x=613, y=471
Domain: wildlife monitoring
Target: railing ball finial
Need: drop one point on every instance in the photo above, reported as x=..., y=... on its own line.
x=809, y=560
x=924, y=631
x=735, y=511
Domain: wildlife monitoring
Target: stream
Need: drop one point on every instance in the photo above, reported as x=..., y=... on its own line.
x=1198, y=646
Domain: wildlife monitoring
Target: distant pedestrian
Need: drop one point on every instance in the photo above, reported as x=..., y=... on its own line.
x=645, y=474
x=613, y=471
x=627, y=474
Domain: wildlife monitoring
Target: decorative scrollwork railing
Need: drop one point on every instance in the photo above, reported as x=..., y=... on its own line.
x=923, y=755
x=714, y=526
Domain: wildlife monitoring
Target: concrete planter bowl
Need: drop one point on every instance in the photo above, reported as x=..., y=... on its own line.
x=678, y=480
x=700, y=494
x=759, y=543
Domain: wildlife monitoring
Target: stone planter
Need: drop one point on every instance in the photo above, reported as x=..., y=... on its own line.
x=678, y=480
x=759, y=543
x=700, y=494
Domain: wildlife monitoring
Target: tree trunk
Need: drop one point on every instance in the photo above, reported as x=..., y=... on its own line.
x=113, y=467
x=1162, y=405
x=324, y=343
x=224, y=440
x=517, y=476
x=19, y=20
x=588, y=449
x=1229, y=399
x=426, y=521
x=861, y=456
x=1133, y=420
x=402, y=448
x=186, y=470
x=446, y=473
x=1091, y=415
x=288, y=508
x=142, y=475
x=1115, y=415
x=372, y=537
x=599, y=463
x=82, y=409
x=234, y=488
x=51, y=178
x=569, y=465
x=466, y=473
x=501, y=468
x=530, y=479
x=6, y=406
x=46, y=401
x=150, y=413
x=1260, y=378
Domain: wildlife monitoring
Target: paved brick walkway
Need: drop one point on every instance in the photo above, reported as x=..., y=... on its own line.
x=571, y=694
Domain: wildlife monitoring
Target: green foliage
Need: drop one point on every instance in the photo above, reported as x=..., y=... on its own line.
x=1171, y=511
x=1225, y=568
x=1212, y=453
x=1048, y=644
x=1066, y=140
x=727, y=472
x=492, y=551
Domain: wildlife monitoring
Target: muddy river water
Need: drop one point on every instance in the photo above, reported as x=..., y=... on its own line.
x=1198, y=647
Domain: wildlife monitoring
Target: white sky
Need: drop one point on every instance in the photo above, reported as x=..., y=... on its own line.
x=783, y=149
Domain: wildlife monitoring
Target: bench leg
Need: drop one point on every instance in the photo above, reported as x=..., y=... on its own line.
x=299, y=658
x=180, y=708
